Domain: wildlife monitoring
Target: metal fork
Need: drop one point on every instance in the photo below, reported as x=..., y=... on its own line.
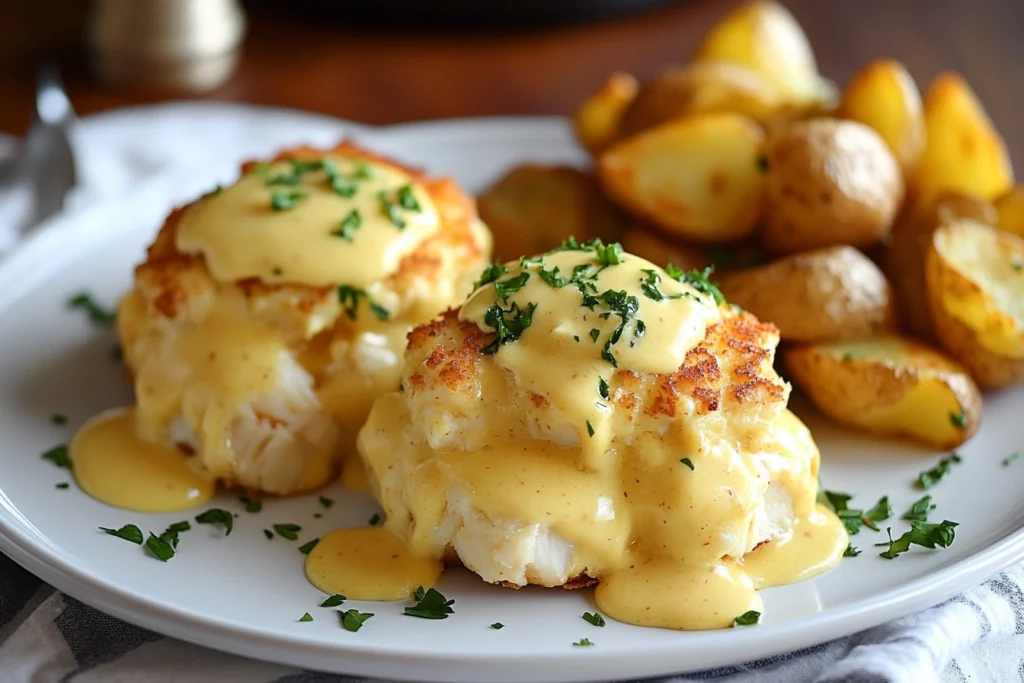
x=47, y=161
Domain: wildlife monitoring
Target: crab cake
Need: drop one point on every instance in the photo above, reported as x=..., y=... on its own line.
x=587, y=417
x=270, y=314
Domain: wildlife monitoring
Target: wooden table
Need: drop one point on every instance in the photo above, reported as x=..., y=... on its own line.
x=385, y=75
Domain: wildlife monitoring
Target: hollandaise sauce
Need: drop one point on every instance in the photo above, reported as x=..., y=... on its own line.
x=112, y=464
x=608, y=422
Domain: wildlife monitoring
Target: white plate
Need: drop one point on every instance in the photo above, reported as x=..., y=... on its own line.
x=244, y=594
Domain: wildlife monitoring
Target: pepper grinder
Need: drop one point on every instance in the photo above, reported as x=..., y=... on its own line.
x=178, y=45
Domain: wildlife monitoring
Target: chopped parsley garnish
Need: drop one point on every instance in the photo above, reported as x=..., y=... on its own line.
x=353, y=620
x=851, y=551
x=747, y=619
x=958, y=420
x=490, y=274
x=1017, y=264
x=590, y=429
x=430, y=605
x=390, y=210
x=269, y=534
x=97, y=314
x=58, y=455
x=128, y=532
x=508, y=324
x=924, y=534
x=497, y=626
x=306, y=548
x=317, y=515
x=649, y=286
x=375, y=520
x=349, y=298
x=306, y=617
x=289, y=178
x=849, y=355
x=62, y=485
x=918, y=512
x=58, y=419
x=930, y=478
x=170, y=534
x=552, y=278
x=217, y=516
x=159, y=548
x=583, y=642
x=699, y=280
x=593, y=618
x=334, y=600
x=251, y=504
x=688, y=463
x=503, y=288
x=363, y=171
x=326, y=502
x=285, y=200
x=406, y=199
x=762, y=163
x=602, y=388
x=348, y=226
x=610, y=255
x=594, y=334
x=854, y=519
x=1010, y=459
x=289, y=531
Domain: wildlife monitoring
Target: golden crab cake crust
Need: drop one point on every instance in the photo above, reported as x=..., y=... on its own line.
x=341, y=363
x=725, y=392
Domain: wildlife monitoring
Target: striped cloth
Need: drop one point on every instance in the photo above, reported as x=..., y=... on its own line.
x=46, y=636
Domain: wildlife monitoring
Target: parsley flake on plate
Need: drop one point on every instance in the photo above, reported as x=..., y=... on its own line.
x=251, y=504
x=1010, y=459
x=307, y=548
x=851, y=551
x=58, y=419
x=58, y=455
x=306, y=617
x=128, y=532
x=353, y=620
x=289, y=531
x=375, y=520
x=334, y=600
x=918, y=512
x=62, y=485
x=160, y=549
x=593, y=618
x=924, y=534
x=747, y=619
x=431, y=604
x=98, y=314
x=269, y=534
x=583, y=642
x=930, y=478
x=497, y=626
x=217, y=516
x=326, y=502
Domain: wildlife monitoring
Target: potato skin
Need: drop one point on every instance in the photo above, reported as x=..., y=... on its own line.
x=817, y=296
x=596, y=121
x=829, y=182
x=873, y=391
x=949, y=288
x=908, y=247
x=701, y=88
x=532, y=209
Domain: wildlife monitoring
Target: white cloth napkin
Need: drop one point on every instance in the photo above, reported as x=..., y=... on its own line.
x=46, y=636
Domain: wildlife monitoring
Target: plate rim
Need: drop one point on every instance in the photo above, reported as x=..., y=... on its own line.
x=18, y=541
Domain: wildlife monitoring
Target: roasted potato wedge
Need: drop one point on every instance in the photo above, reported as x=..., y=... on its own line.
x=532, y=209
x=766, y=38
x=816, y=296
x=883, y=95
x=974, y=285
x=889, y=385
x=701, y=88
x=662, y=251
x=964, y=152
x=596, y=121
x=1010, y=209
x=829, y=182
x=908, y=247
x=697, y=177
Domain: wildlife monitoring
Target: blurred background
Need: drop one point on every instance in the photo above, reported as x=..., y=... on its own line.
x=404, y=60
